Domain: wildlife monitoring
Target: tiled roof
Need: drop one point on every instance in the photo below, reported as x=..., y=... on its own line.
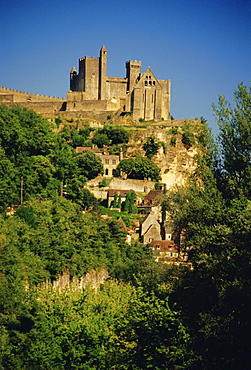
x=112, y=192
x=164, y=245
x=151, y=196
x=80, y=149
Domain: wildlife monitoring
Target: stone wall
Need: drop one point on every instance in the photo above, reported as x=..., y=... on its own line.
x=20, y=96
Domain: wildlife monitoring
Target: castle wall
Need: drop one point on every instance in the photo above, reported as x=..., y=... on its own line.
x=43, y=108
x=87, y=105
x=17, y=96
x=116, y=87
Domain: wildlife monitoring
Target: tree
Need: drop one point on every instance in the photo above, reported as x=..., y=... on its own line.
x=129, y=204
x=233, y=160
x=151, y=336
x=117, y=135
x=139, y=168
x=89, y=164
x=9, y=187
x=100, y=139
x=151, y=147
x=216, y=228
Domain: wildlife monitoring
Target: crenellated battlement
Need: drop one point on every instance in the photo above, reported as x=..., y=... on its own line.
x=18, y=95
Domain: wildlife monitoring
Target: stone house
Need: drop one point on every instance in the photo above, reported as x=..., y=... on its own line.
x=109, y=161
x=167, y=250
x=150, y=229
x=151, y=204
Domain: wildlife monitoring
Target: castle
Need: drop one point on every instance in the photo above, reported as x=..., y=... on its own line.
x=92, y=91
x=140, y=93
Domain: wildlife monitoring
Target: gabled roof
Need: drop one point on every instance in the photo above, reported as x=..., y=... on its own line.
x=112, y=192
x=149, y=215
x=149, y=76
x=151, y=196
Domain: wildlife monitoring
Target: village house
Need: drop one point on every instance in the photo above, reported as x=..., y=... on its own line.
x=109, y=161
x=167, y=251
x=150, y=229
x=151, y=204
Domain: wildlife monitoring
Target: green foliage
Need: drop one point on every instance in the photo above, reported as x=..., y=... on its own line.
x=129, y=204
x=103, y=183
x=139, y=168
x=89, y=164
x=58, y=121
x=157, y=186
x=27, y=143
x=117, y=135
x=109, y=135
x=79, y=136
x=188, y=138
x=173, y=131
x=234, y=140
x=173, y=141
x=215, y=220
x=151, y=147
x=151, y=336
x=163, y=146
x=100, y=139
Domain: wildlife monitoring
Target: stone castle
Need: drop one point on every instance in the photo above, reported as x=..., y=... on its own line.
x=92, y=91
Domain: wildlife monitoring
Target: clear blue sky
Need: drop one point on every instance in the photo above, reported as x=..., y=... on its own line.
x=202, y=46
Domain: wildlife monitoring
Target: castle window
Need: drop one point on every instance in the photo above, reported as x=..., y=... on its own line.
x=150, y=76
x=153, y=82
x=114, y=161
x=150, y=82
x=107, y=161
x=146, y=76
x=107, y=171
x=146, y=83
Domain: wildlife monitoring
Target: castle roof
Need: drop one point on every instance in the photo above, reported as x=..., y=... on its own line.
x=103, y=48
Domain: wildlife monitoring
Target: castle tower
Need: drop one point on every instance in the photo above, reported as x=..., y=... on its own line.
x=73, y=74
x=102, y=73
x=132, y=73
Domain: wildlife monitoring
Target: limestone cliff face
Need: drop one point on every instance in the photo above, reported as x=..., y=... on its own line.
x=175, y=162
x=93, y=278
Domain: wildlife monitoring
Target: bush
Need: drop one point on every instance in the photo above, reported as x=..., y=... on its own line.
x=188, y=138
x=173, y=141
x=151, y=147
x=173, y=131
